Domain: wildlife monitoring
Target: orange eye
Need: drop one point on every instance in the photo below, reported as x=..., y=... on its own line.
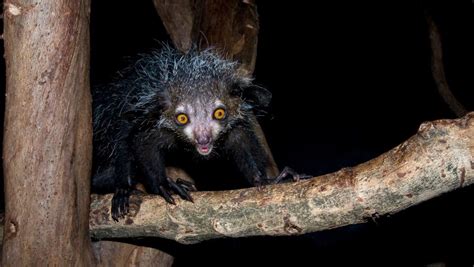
x=219, y=114
x=182, y=118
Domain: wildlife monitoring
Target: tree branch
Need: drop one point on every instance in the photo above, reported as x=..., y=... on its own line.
x=438, y=159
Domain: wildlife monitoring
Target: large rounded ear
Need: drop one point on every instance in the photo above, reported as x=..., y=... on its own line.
x=254, y=95
x=257, y=96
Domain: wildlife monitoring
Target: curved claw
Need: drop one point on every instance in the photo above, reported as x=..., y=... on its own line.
x=287, y=171
x=189, y=186
x=120, y=203
x=181, y=188
x=166, y=195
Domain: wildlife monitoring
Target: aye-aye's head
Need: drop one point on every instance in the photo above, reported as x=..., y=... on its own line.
x=198, y=95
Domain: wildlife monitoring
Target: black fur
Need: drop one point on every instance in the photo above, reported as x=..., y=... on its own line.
x=246, y=152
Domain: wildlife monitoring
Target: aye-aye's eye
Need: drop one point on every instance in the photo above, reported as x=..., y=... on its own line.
x=219, y=114
x=182, y=119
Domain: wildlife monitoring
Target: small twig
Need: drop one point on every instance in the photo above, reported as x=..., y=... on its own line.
x=438, y=72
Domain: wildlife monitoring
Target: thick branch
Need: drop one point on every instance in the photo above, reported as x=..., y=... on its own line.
x=438, y=159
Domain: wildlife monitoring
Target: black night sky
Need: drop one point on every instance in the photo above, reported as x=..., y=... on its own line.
x=350, y=81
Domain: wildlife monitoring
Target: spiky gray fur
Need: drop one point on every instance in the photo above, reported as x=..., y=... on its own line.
x=152, y=84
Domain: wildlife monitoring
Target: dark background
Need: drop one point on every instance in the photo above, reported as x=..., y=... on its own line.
x=350, y=81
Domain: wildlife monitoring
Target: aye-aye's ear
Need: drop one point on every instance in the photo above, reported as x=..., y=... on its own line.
x=257, y=96
x=254, y=95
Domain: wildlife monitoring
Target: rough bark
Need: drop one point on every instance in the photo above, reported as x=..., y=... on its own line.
x=48, y=136
x=191, y=22
x=437, y=69
x=110, y=253
x=438, y=159
x=178, y=17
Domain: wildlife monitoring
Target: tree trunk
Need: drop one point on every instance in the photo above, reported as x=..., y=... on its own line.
x=231, y=26
x=48, y=134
